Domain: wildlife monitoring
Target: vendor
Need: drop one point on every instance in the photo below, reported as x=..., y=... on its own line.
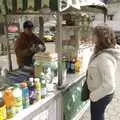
x=27, y=45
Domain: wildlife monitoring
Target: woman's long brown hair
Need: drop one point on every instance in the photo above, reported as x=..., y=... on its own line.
x=105, y=38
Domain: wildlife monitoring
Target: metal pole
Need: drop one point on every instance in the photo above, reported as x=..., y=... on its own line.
x=8, y=46
x=105, y=16
x=59, y=48
x=41, y=30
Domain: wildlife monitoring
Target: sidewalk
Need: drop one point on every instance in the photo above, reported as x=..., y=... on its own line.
x=113, y=110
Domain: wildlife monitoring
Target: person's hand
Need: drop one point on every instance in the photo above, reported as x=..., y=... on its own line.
x=91, y=96
x=33, y=48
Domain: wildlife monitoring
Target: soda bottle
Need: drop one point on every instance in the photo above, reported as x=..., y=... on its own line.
x=38, y=88
x=2, y=108
x=43, y=86
x=72, y=66
x=9, y=102
x=68, y=66
x=25, y=95
x=17, y=92
x=31, y=87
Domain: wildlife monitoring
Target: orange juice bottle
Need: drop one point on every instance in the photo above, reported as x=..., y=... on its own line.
x=9, y=102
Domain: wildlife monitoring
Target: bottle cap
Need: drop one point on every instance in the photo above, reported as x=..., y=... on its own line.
x=31, y=79
x=23, y=85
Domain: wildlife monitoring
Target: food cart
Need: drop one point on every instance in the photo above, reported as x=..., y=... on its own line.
x=63, y=103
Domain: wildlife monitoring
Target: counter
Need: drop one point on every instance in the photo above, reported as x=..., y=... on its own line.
x=63, y=104
x=56, y=105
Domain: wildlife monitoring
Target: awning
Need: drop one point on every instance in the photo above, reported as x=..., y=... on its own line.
x=53, y=5
x=2, y=9
x=80, y=4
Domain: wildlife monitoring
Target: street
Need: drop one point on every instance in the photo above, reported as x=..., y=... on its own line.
x=113, y=111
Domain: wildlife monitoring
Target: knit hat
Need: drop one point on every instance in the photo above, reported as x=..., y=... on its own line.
x=27, y=24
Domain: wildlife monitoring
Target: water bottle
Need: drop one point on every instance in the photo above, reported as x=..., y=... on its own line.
x=25, y=95
x=31, y=87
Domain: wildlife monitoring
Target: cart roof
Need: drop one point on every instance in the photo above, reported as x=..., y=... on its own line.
x=79, y=4
x=65, y=5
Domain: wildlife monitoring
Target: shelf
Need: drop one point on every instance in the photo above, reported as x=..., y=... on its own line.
x=28, y=13
x=71, y=27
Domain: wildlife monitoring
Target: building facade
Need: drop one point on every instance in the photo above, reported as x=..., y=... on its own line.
x=113, y=17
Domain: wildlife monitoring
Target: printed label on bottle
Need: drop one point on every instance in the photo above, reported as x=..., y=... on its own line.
x=43, y=92
x=18, y=104
x=72, y=66
x=3, y=113
x=10, y=112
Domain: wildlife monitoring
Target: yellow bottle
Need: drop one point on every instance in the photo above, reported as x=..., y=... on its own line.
x=38, y=88
x=77, y=65
x=3, y=114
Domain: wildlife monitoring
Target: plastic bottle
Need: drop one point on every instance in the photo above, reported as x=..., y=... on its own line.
x=17, y=92
x=77, y=65
x=43, y=86
x=38, y=88
x=68, y=65
x=31, y=87
x=25, y=95
x=9, y=102
x=3, y=114
x=72, y=66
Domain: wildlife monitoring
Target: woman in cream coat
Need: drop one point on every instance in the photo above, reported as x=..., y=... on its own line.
x=102, y=71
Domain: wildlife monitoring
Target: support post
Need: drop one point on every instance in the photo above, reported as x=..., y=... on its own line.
x=105, y=16
x=41, y=30
x=8, y=45
x=59, y=48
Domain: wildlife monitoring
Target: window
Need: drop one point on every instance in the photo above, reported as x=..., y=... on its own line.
x=93, y=18
x=110, y=17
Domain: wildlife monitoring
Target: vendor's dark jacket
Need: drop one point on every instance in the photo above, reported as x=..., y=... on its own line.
x=22, y=48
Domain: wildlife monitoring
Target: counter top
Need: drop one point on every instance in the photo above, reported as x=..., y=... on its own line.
x=72, y=79
x=38, y=107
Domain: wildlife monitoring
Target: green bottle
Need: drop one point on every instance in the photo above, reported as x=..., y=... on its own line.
x=37, y=5
x=19, y=4
x=30, y=4
x=43, y=86
x=53, y=5
x=25, y=4
x=14, y=4
x=38, y=89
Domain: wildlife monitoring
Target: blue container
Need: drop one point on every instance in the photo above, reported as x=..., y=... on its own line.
x=25, y=95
